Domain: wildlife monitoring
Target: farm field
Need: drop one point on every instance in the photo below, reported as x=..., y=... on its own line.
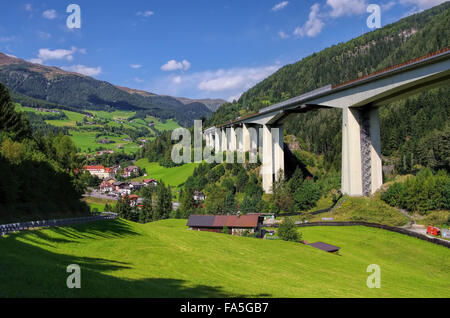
x=171, y=176
x=85, y=140
x=164, y=259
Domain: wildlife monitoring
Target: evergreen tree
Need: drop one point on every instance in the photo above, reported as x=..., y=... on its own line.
x=307, y=195
x=287, y=231
x=229, y=205
x=146, y=212
x=123, y=208
x=11, y=121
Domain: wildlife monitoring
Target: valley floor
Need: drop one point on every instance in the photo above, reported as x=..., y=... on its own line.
x=165, y=259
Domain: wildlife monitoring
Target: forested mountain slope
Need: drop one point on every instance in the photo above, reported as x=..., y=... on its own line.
x=427, y=125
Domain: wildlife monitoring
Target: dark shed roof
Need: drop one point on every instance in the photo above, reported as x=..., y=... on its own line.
x=325, y=247
x=201, y=220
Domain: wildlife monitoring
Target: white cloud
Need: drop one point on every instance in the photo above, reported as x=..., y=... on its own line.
x=135, y=66
x=176, y=79
x=221, y=83
x=145, y=14
x=347, y=7
x=313, y=26
x=422, y=4
x=283, y=35
x=387, y=6
x=49, y=14
x=280, y=6
x=28, y=7
x=83, y=69
x=138, y=80
x=232, y=79
x=173, y=65
x=57, y=54
x=36, y=61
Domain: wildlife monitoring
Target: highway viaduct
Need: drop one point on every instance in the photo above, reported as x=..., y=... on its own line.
x=359, y=100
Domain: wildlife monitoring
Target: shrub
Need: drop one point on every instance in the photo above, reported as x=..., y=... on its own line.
x=393, y=194
x=424, y=192
x=288, y=231
x=307, y=195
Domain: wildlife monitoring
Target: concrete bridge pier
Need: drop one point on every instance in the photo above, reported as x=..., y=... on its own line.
x=217, y=141
x=224, y=139
x=361, y=151
x=272, y=155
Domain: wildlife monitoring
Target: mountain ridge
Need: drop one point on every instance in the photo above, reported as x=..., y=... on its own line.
x=40, y=85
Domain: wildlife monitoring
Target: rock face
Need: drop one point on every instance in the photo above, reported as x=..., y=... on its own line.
x=292, y=142
x=35, y=84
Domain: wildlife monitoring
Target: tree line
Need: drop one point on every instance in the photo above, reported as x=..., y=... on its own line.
x=37, y=171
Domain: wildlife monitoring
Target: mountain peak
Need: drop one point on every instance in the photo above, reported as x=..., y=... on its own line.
x=8, y=59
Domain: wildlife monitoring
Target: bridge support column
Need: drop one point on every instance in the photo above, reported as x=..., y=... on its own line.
x=232, y=139
x=207, y=139
x=245, y=137
x=361, y=151
x=375, y=151
x=278, y=150
x=217, y=136
x=267, y=159
x=224, y=139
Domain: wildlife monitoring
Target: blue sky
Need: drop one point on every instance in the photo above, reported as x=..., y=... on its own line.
x=196, y=48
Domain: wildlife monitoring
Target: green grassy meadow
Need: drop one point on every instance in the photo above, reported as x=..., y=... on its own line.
x=99, y=204
x=171, y=176
x=164, y=259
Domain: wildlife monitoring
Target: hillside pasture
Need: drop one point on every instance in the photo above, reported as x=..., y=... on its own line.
x=164, y=259
x=171, y=176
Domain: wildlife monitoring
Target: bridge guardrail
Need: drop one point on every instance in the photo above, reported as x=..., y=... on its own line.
x=21, y=226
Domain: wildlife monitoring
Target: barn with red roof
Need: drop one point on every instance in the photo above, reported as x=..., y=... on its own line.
x=236, y=224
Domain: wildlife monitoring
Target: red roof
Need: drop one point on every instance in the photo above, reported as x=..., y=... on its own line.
x=246, y=221
x=108, y=170
x=133, y=197
x=93, y=167
x=149, y=180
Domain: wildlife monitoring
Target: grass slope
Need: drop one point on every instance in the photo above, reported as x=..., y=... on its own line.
x=171, y=176
x=164, y=259
x=366, y=210
x=99, y=204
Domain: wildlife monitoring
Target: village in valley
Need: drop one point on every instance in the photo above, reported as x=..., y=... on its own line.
x=117, y=182
x=114, y=189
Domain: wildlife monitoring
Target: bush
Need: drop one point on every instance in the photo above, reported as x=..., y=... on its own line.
x=307, y=195
x=288, y=231
x=421, y=193
x=393, y=194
